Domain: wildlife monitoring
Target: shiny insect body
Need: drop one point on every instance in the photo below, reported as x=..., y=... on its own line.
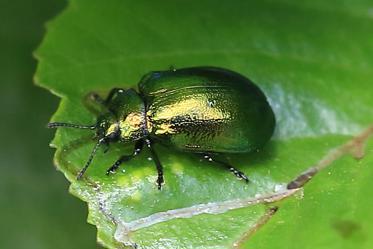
x=204, y=110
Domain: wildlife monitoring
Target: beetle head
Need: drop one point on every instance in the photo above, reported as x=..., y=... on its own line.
x=107, y=128
x=107, y=131
x=124, y=121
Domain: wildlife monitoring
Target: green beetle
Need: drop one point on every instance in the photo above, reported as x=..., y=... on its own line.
x=205, y=110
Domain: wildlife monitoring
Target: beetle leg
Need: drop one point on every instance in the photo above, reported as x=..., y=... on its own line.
x=112, y=93
x=138, y=147
x=172, y=68
x=107, y=147
x=158, y=164
x=101, y=105
x=94, y=103
x=96, y=98
x=226, y=165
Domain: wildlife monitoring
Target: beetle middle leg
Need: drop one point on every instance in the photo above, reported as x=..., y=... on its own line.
x=158, y=164
x=138, y=147
x=226, y=165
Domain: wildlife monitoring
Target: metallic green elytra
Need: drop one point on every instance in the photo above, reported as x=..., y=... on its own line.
x=205, y=110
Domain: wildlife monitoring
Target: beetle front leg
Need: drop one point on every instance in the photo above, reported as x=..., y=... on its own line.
x=96, y=98
x=100, y=104
x=94, y=103
x=138, y=147
x=226, y=165
x=104, y=102
x=158, y=164
x=112, y=94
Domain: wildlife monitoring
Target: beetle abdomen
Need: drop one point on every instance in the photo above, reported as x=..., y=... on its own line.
x=207, y=110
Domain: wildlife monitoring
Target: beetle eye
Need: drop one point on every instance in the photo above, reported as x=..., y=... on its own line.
x=112, y=131
x=113, y=135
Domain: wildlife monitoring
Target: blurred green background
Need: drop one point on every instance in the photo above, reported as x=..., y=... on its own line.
x=36, y=210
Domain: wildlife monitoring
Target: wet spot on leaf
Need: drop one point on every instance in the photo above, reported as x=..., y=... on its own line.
x=346, y=228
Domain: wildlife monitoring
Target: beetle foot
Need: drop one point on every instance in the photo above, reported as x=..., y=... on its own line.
x=80, y=174
x=95, y=97
x=239, y=174
x=112, y=169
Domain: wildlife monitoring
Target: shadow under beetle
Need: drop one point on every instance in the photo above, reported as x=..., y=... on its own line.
x=205, y=110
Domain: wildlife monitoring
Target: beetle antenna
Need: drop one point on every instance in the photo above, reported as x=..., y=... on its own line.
x=59, y=124
x=82, y=171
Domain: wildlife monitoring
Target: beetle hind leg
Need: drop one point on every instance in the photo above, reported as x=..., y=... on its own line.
x=158, y=165
x=236, y=172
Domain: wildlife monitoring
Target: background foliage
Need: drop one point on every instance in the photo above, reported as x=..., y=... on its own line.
x=36, y=212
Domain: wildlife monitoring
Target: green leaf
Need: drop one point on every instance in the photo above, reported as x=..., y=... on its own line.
x=313, y=59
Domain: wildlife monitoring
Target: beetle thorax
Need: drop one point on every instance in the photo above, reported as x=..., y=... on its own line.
x=133, y=126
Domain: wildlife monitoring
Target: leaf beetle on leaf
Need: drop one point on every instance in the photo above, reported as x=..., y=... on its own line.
x=204, y=110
